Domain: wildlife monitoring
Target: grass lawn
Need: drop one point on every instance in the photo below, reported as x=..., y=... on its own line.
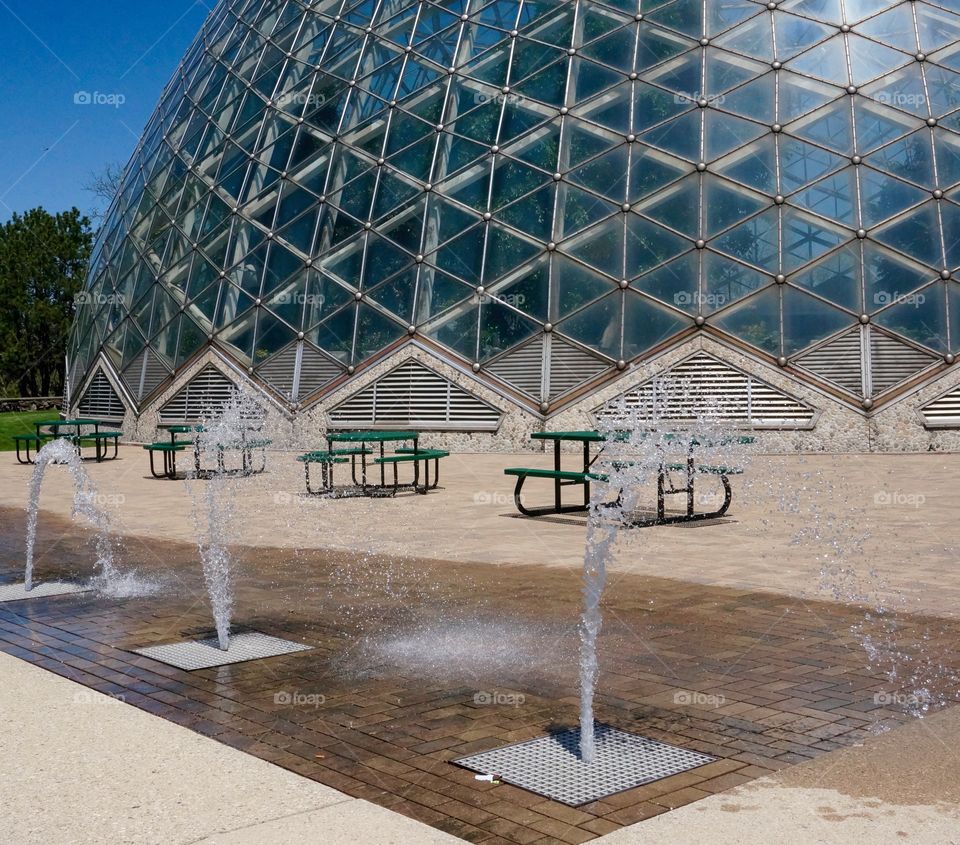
x=20, y=423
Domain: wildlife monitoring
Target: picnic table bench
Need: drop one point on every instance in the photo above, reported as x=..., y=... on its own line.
x=100, y=440
x=355, y=447
x=169, y=450
x=585, y=477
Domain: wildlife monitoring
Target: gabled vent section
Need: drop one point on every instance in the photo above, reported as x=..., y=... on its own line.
x=101, y=401
x=205, y=396
x=892, y=361
x=316, y=370
x=413, y=396
x=703, y=386
x=570, y=367
x=145, y=374
x=280, y=370
x=522, y=368
x=840, y=361
x=944, y=411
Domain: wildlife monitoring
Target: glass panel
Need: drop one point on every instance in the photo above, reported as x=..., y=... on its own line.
x=920, y=316
x=756, y=320
x=888, y=277
x=836, y=277
x=807, y=320
x=917, y=235
x=726, y=281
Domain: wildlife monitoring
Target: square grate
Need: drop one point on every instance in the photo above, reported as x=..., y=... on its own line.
x=551, y=765
x=16, y=592
x=205, y=654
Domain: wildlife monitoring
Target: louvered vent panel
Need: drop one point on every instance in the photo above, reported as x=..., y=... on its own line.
x=133, y=374
x=704, y=386
x=892, y=361
x=316, y=370
x=278, y=372
x=101, y=400
x=570, y=367
x=206, y=394
x=840, y=362
x=412, y=396
x=944, y=411
x=154, y=374
x=522, y=368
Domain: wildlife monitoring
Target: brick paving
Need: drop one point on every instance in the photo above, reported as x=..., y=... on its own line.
x=760, y=681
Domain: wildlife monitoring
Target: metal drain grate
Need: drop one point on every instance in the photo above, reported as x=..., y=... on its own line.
x=205, y=654
x=551, y=765
x=16, y=592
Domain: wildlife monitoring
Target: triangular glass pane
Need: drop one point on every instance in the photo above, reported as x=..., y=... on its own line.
x=881, y=196
x=725, y=204
x=675, y=283
x=827, y=61
x=677, y=207
x=836, y=277
x=918, y=235
x=894, y=27
x=502, y=328
x=755, y=241
x=909, y=158
x=600, y=247
x=505, y=251
x=920, y=317
x=878, y=125
x=888, y=278
x=575, y=286
x=756, y=320
x=725, y=282
x=599, y=326
x=830, y=127
x=834, y=197
x=646, y=325
x=651, y=169
x=375, y=332
x=648, y=245
x=805, y=239
x=807, y=320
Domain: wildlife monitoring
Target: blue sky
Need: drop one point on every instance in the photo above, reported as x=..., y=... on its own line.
x=53, y=50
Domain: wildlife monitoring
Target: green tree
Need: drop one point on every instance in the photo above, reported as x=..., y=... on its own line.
x=43, y=262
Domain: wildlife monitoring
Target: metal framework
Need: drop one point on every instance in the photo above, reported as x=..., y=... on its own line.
x=546, y=191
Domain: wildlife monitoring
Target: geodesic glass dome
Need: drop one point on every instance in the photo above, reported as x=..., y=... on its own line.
x=542, y=191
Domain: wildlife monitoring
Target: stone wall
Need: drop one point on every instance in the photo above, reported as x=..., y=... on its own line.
x=839, y=426
x=36, y=403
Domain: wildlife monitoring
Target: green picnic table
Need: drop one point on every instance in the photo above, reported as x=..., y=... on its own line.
x=349, y=446
x=100, y=439
x=585, y=475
